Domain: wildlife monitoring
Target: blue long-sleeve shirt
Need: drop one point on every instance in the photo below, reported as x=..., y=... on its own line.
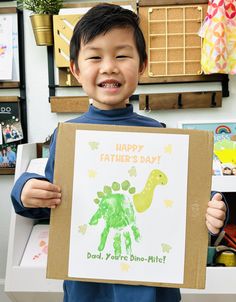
x=76, y=291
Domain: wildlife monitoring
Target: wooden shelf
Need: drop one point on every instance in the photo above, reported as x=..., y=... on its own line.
x=71, y=104
x=7, y=171
x=184, y=100
x=9, y=85
x=9, y=99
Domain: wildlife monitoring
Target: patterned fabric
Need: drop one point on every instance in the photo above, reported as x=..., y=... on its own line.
x=219, y=33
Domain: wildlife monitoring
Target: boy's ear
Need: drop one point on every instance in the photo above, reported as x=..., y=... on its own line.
x=74, y=70
x=143, y=67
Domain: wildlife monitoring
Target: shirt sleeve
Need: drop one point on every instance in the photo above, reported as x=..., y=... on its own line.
x=35, y=213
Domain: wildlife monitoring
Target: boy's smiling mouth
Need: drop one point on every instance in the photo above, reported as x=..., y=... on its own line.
x=109, y=84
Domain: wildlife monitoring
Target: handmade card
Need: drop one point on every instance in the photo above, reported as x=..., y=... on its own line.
x=133, y=205
x=6, y=49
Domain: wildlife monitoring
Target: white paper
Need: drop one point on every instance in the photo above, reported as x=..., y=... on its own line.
x=37, y=165
x=15, y=46
x=129, y=236
x=6, y=47
x=36, y=251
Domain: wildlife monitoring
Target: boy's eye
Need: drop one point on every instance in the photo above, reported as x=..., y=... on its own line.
x=121, y=57
x=94, y=58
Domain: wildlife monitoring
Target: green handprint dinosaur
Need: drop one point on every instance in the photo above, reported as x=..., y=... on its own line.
x=118, y=212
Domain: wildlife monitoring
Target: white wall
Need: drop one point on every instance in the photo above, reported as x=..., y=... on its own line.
x=41, y=123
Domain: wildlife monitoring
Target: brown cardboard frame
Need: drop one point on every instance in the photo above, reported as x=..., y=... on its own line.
x=198, y=194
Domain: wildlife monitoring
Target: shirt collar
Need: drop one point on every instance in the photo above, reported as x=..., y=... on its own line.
x=120, y=113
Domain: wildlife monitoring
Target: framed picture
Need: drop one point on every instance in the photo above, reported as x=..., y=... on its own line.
x=9, y=48
x=0, y=134
x=8, y=155
x=11, y=133
x=12, y=130
x=224, y=158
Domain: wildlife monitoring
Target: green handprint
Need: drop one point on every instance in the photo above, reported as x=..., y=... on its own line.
x=118, y=212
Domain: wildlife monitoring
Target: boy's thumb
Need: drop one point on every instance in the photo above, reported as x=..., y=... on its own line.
x=217, y=197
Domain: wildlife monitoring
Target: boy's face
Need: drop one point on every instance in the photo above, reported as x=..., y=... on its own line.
x=109, y=68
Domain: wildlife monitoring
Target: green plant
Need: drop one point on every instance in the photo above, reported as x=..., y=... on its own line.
x=50, y=7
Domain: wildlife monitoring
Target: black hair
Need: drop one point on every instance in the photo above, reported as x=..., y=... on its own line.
x=99, y=20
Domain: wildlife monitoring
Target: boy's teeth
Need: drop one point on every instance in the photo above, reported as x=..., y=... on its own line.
x=110, y=85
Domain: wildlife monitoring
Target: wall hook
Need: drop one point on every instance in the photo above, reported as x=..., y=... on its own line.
x=180, y=105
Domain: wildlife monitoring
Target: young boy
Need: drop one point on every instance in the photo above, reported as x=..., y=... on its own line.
x=108, y=55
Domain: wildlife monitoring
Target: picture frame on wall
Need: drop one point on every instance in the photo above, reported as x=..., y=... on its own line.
x=224, y=151
x=11, y=133
x=1, y=140
x=8, y=156
x=12, y=130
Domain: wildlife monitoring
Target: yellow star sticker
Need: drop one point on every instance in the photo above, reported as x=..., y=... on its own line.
x=124, y=267
x=166, y=248
x=83, y=229
x=92, y=173
x=168, y=203
x=168, y=149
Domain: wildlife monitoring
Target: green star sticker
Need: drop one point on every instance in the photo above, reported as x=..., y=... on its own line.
x=132, y=171
x=93, y=145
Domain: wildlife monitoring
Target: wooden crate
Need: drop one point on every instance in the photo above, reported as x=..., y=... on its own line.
x=63, y=26
x=173, y=44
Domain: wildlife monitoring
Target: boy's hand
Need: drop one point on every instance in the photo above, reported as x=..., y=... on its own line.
x=216, y=214
x=38, y=193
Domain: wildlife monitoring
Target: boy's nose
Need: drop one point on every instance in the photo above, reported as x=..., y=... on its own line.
x=109, y=66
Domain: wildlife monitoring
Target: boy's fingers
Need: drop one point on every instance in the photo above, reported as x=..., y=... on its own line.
x=214, y=221
x=43, y=194
x=45, y=185
x=39, y=203
x=39, y=193
x=216, y=214
x=211, y=228
x=217, y=204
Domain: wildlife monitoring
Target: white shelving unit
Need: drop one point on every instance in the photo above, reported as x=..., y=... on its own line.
x=220, y=287
x=26, y=284
x=226, y=183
